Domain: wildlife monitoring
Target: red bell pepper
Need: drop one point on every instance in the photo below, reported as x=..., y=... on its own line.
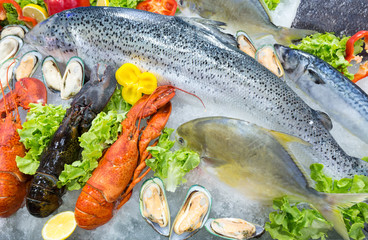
x=349, y=56
x=164, y=7
x=55, y=6
x=19, y=11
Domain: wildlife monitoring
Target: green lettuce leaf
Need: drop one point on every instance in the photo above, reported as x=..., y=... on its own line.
x=290, y=223
x=42, y=122
x=272, y=4
x=124, y=3
x=104, y=131
x=171, y=166
x=329, y=48
x=12, y=15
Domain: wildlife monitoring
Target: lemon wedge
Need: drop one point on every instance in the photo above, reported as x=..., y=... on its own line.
x=60, y=226
x=34, y=11
x=102, y=3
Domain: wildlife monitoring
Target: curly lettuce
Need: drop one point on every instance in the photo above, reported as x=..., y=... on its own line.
x=171, y=166
x=42, y=122
x=329, y=48
x=288, y=222
x=12, y=15
x=124, y=3
x=272, y=4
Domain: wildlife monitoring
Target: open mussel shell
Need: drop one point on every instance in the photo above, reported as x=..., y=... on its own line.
x=9, y=47
x=6, y=71
x=233, y=228
x=266, y=55
x=14, y=30
x=245, y=43
x=27, y=65
x=193, y=213
x=153, y=205
x=73, y=78
x=51, y=74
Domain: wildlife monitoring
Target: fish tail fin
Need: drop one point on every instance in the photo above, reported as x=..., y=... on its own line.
x=329, y=208
x=286, y=35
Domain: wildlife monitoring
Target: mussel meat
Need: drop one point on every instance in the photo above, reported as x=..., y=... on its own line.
x=27, y=65
x=266, y=56
x=246, y=44
x=73, y=78
x=6, y=71
x=14, y=30
x=9, y=47
x=51, y=74
x=153, y=205
x=193, y=213
x=233, y=228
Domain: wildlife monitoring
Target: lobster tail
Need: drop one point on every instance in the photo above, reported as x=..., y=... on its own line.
x=44, y=197
x=12, y=193
x=92, y=209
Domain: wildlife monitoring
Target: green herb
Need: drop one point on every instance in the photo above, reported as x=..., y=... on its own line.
x=11, y=13
x=272, y=4
x=103, y=132
x=329, y=48
x=365, y=159
x=124, y=3
x=170, y=166
x=42, y=122
x=288, y=222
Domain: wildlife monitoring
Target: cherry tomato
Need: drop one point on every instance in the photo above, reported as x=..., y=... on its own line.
x=55, y=6
x=164, y=7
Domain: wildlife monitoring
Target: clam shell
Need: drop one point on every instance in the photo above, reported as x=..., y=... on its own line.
x=4, y=68
x=51, y=74
x=9, y=47
x=73, y=78
x=266, y=55
x=259, y=230
x=165, y=230
x=245, y=43
x=191, y=192
x=27, y=65
x=14, y=30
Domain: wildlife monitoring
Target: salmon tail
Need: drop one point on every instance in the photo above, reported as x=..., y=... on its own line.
x=330, y=205
x=286, y=36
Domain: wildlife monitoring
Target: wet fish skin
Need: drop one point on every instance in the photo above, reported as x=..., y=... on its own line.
x=258, y=163
x=193, y=57
x=341, y=17
x=248, y=15
x=339, y=97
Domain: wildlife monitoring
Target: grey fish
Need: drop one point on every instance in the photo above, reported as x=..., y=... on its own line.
x=341, y=17
x=194, y=57
x=250, y=16
x=259, y=163
x=339, y=97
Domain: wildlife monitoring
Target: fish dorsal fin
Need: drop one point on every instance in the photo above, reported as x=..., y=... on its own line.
x=286, y=140
x=325, y=119
x=213, y=27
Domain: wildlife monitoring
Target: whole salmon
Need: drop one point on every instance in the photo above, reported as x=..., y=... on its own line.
x=196, y=57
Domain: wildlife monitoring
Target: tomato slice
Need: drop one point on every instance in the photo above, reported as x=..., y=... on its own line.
x=164, y=7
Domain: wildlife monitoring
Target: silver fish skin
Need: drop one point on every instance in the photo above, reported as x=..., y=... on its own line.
x=250, y=16
x=339, y=97
x=258, y=162
x=193, y=57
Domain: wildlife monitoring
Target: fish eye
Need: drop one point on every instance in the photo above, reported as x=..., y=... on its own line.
x=181, y=140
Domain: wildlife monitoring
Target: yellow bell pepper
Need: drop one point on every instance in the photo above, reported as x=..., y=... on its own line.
x=135, y=82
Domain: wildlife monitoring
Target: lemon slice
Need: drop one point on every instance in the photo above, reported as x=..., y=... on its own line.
x=34, y=11
x=60, y=226
x=102, y=3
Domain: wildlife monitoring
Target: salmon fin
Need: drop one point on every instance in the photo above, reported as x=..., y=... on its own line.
x=214, y=28
x=325, y=119
x=329, y=208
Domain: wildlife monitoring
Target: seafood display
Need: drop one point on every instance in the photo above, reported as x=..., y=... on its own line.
x=253, y=89
x=14, y=30
x=153, y=205
x=44, y=197
x=13, y=183
x=331, y=16
x=73, y=78
x=338, y=96
x=267, y=57
x=233, y=228
x=27, y=65
x=9, y=47
x=100, y=196
x=51, y=74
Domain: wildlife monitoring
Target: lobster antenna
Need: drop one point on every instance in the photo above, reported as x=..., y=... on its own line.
x=190, y=94
x=11, y=91
x=4, y=98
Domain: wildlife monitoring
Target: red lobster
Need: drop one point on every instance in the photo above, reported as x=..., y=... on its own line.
x=103, y=191
x=13, y=183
